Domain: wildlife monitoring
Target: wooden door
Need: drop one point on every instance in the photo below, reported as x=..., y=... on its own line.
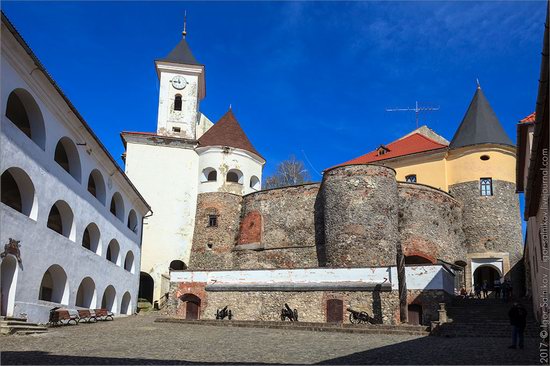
x=335, y=311
x=192, y=311
x=415, y=314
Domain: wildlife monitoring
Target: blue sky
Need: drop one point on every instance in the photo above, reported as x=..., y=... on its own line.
x=302, y=77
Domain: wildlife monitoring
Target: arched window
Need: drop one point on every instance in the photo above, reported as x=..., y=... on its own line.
x=96, y=185
x=66, y=155
x=129, y=262
x=117, y=206
x=177, y=103
x=209, y=175
x=109, y=299
x=132, y=221
x=411, y=178
x=54, y=286
x=86, y=295
x=112, y=251
x=126, y=304
x=17, y=191
x=486, y=186
x=177, y=265
x=255, y=183
x=90, y=238
x=235, y=176
x=25, y=114
x=60, y=219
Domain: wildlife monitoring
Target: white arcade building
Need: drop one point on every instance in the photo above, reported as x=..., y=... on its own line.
x=187, y=155
x=70, y=219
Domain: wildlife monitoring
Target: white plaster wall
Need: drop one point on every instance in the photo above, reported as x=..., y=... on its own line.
x=204, y=125
x=418, y=277
x=429, y=278
x=40, y=246
x=223, y=160
x=167, y=178
x=296, y=276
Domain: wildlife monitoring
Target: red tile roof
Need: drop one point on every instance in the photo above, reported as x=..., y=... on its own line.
x=411, y=144
x=530, y=118
x=227, y=132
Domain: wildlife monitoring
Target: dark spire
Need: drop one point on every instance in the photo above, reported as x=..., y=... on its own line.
x=181, y=54
x=480, y=125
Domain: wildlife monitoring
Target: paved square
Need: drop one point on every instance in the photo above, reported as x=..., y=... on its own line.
x=138, y=340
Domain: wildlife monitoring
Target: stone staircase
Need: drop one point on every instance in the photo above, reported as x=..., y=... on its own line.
x=483, y=318
x=417, y=330
x=11, y=325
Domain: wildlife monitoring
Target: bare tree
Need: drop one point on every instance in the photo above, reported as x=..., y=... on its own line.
x=289, y=172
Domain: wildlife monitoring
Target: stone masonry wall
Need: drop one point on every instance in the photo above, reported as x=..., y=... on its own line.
x=491, y=223
x=360, y=216
x=212, y=246
x=430, y=223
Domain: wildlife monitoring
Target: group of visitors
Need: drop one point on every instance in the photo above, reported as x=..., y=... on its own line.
x=501, y=289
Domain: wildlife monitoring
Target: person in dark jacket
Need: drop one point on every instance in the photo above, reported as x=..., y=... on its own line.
x=518, y=320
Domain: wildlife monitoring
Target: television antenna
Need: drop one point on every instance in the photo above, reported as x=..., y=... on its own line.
x=416, y=110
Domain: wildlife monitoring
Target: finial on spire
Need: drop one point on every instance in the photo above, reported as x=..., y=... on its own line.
x=478, y=85
x=229, y=106
x=184, y=33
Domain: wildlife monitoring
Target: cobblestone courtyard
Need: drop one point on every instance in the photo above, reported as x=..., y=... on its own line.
x=138, y=340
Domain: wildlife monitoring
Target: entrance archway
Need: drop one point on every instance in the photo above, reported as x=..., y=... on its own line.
x=146, y=286
x=8, y=282
x=486, y=273
x=192, y=306
x=335, y=311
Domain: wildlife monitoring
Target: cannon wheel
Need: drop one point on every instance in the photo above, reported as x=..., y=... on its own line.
x=353, y=319
x=295, y=313
x=229, y=315
x=282, y=317
x=217, y=314
x=364, y=317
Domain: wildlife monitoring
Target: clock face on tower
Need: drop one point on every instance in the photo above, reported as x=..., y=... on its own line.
x=179, y=82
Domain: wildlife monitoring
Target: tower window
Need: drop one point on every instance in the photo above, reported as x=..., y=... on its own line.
x=177, y=103
x=212, y=220
x=486, y=186
x=411, y=178
x=176, y=129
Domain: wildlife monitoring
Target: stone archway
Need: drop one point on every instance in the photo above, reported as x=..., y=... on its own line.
x=146, y=287
x=8, y=283
x=487, y=273
x=192, y=306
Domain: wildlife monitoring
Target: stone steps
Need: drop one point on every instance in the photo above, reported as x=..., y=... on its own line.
x=20, y=326
x=322, y=327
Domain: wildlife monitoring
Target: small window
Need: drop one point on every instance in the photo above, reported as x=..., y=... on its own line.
x=411, y=178
x=212, y=220
x=382, y=150
x=486, y=186
x=212, y=176
x=177, y=103
x=176, y=129
x=209, y=245
x=234, y=176
x=484, y=157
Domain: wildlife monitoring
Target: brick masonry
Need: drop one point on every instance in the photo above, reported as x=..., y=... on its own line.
x=360, y=216
x=491, y=223
x=430, y=223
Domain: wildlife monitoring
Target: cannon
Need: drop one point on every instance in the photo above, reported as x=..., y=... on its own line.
x=286, y=312
x=223, y=313
x=358, y=317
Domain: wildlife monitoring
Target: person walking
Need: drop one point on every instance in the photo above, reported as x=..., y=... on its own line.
x=497, y=288
x=477, y=290
x=518, y=320
x=485, y=289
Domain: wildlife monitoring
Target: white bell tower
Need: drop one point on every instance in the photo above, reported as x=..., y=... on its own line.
x=182, y=87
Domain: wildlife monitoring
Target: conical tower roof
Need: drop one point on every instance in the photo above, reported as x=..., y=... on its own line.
x=227, y=132
x=480, y=125
x=181, y=54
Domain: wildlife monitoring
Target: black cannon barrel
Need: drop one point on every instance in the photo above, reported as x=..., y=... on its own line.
x=287, y=307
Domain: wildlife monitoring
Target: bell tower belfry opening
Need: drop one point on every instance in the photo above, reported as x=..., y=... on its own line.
x=182, y=87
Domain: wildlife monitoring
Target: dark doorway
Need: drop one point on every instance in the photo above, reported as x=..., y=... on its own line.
x=415, y=314
x=417, y=260
x=335, y=311
x=146, y=285
x=486, y=273
x=192, y=306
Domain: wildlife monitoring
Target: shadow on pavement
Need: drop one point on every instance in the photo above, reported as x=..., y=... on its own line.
x=433, y=350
